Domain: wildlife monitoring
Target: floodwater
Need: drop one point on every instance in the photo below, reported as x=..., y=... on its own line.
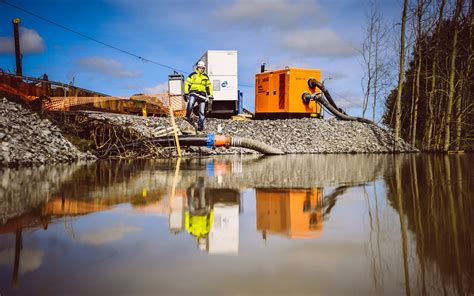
x=297, y=224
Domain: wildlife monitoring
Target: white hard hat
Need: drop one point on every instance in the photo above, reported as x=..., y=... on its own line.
x=201, y=64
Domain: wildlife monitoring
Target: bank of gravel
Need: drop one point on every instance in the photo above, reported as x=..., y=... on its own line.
x=26, y=138
x=292, y=136
x=314, y=135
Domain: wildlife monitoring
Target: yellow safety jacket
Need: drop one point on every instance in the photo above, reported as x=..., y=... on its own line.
x=197, y=82
x=198, y=226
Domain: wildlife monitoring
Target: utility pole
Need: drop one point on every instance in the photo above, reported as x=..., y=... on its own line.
x=16, y=35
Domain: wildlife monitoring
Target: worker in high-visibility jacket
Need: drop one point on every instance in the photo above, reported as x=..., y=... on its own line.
x=198, y=88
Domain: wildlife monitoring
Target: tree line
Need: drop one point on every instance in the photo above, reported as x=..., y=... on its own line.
x=432, y=107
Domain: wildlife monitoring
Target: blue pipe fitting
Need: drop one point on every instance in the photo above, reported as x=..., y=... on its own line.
x=210, y=140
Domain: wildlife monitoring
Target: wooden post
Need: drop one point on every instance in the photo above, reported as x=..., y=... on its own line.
x=16, y=36
x=175, y=132
x=144, y=113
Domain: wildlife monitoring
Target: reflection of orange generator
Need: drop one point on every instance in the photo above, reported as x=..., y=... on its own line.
x=278, y=94
x=295, y=213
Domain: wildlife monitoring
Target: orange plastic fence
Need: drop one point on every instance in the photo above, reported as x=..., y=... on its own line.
x=64, y=103
x=29, y=92
x=160, y=101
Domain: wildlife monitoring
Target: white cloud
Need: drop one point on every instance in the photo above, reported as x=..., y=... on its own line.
x=31, y=259
x=30, y=42
x=269, y=13
x=322, y=42
x=105, y=66
x=158, y=89
x=107, y=235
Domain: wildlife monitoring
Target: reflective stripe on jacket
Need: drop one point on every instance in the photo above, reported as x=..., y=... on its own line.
x=197, y=82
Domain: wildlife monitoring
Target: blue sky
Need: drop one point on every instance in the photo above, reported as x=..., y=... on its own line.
x=321, y=34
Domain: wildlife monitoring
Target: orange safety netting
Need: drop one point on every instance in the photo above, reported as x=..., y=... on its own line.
x=16, y=92
x=48, y=92
x=160, y=103
x=64, y=103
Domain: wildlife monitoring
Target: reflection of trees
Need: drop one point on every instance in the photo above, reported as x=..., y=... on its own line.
x=35, y=196
x=81, y=189
x=434, y=195
x=113, y=182
x=22, y=189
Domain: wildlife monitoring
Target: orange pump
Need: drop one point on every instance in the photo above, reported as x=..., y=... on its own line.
x=278, y=93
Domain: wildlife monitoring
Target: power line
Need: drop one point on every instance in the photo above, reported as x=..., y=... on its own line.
x=91, y=38
x=100, y=42
x=246, y=85
x=346, y=100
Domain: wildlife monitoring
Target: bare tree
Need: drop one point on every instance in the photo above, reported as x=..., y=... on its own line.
x=401, y=74
x=452, y=71
x=367, y=55
x=378, y=67
x=376, y=73
x=382, y=79
x=431, y=96
x=436, y=100
x=464, y=76
x=420, y=8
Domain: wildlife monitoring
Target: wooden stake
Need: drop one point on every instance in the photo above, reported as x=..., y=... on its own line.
x=175, y=131
x=175, y=180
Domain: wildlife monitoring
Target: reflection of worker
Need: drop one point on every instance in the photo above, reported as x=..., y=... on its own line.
x=199, y=215
x=197, y=88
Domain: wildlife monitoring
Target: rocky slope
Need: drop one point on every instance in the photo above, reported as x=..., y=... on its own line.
x=28, y=139
x=306, y=135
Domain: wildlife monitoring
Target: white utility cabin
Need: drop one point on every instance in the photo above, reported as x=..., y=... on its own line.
x=221, y=67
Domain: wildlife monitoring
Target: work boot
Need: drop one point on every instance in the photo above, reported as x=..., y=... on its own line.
x=200, y=130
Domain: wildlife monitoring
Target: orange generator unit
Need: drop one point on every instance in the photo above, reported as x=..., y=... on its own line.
x=278, y=93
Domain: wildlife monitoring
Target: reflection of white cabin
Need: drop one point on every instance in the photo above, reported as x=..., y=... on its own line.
x=224, y=234
x=176, y=222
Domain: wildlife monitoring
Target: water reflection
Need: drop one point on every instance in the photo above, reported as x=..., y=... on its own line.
x=403, y=219
x=433, y=195
x=210, y=215
x=290, y=212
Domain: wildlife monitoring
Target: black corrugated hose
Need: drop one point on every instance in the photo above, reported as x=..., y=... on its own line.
x=329, y=103
x=209, y=141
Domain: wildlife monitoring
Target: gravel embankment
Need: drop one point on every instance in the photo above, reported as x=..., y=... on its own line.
x=28, y=139
x=290, y=135
x=314, y=136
